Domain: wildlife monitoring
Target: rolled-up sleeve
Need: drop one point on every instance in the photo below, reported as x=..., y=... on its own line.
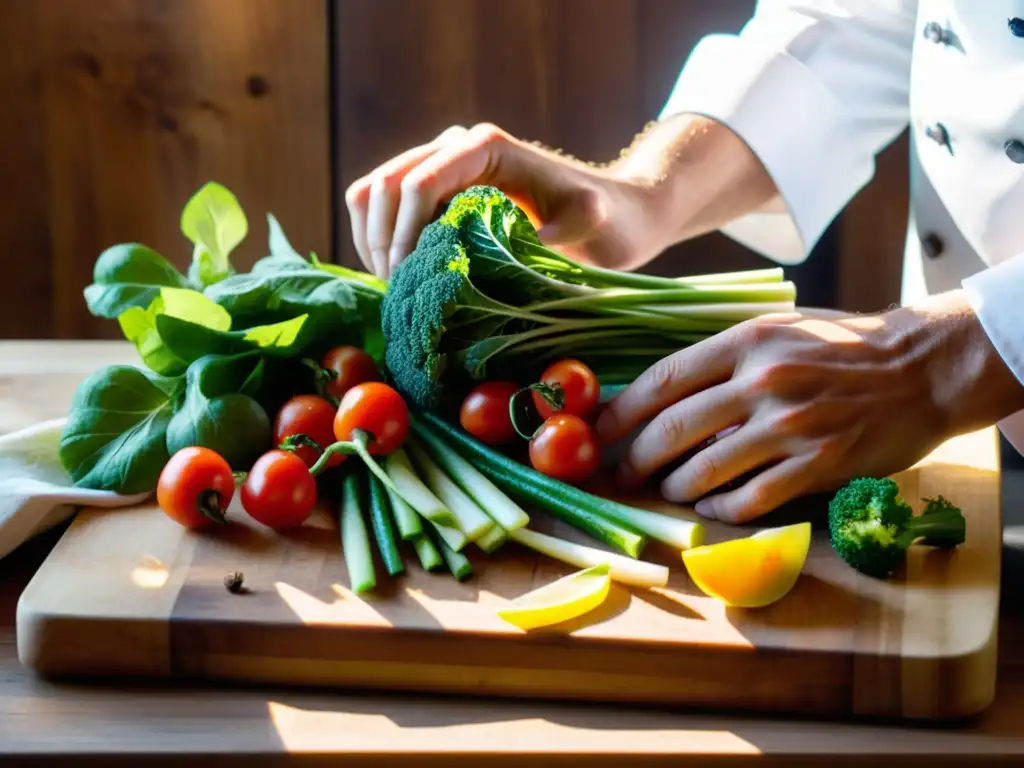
x=995, y=295
x=816, y=90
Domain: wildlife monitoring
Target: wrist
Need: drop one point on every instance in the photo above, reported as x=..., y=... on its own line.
x=968, y=381
x=696, y=176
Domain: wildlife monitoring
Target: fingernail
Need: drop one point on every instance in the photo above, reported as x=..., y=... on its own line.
x=705, y=508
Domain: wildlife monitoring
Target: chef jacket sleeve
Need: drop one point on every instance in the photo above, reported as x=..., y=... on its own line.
x=995, y=294
x=816, y=90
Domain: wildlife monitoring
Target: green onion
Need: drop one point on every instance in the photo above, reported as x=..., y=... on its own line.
x=492, y=540
x=355, y=542
x=492, y=501
x=469, y=518
x=623, y=569
x=457, y=562
x=380, y=517
x=429, y=557
x=412, y=489
x=577, y=508
x=614, y=522
x=406, y=519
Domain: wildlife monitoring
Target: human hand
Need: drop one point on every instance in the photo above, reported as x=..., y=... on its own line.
x=816, y=402
x=600, y=216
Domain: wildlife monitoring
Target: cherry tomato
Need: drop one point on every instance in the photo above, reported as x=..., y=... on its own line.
x=307, y=415
x=352, y=366
x=376, y=408
x=195, y=487
x=279, y=491
x=580, y=385
x=484, y=413
x=566, y=448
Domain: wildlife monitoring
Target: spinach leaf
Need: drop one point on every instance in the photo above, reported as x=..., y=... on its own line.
x=129, y=275
x=219, y=411
x=190, y=341
x=215, y=223
x=281, y=250
x=115, y=437
x=145, y=327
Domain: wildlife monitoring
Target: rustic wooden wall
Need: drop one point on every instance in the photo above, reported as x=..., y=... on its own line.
x=116, y=110
x=588, y=75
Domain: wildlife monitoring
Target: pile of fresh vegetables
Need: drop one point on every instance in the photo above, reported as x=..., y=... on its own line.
x=402, y=405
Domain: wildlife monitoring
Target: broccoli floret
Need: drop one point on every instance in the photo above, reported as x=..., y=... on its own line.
x=871, y=526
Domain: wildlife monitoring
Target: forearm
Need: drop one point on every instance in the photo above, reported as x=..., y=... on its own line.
x=697, y=176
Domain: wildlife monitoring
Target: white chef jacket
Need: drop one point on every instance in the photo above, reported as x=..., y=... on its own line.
x=817, y=89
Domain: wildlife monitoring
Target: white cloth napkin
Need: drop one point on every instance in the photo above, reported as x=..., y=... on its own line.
x=35, y=491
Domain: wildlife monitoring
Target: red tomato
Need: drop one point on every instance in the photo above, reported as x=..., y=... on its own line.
x=484, y=413
x=195, y=487
x=580, y=385
x=307, y=415
x=376, y=408
x=352, y=366
x=279, y=491
x=566, y=448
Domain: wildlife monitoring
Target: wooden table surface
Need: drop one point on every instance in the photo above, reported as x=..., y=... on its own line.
x=119, y=722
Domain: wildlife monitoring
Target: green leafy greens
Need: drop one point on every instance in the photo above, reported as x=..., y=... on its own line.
x=219, y=349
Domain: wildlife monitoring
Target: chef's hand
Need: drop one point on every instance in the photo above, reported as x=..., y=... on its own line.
x=816, y=401
x=684, y=177
x=593, y=214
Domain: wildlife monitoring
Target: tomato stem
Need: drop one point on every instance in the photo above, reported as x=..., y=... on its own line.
x=298, y=440
x=321, y=378
x=209, y=506
x=359, y=445
x=552, y=394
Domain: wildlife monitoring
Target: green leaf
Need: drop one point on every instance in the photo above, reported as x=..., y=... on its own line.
x=114, y=439
x=143, y=327
x=280, y=248
x=189, y=341
x=129, y=275
x=279, y=336
x=365, y=278
x=219, y=411
x=215, y=222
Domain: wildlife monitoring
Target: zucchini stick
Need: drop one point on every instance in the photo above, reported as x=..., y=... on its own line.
x=355, y=542
x=623, y=569
x=469, y=518
x=429, y=557
x=457, y=562
x=412, y=489
x=496, y=504
x=380, y=518
x=406, y=519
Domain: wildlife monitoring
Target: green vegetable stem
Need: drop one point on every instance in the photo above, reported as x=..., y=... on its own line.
x=355, y=541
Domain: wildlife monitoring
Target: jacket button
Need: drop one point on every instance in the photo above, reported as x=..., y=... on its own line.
x=933, y=31
x=1014, y=149
x=1016, y=26
x=932, y=246
x=938, y=134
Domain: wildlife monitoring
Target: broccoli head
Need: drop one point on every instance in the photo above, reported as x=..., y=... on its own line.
x=871, y=525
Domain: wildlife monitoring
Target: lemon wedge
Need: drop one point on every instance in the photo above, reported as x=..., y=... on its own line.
x=561, y=600
x=753, y=571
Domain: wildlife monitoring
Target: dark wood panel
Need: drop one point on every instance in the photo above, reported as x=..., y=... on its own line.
x=126, y=107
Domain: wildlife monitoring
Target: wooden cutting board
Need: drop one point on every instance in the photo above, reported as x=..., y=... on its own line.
x=130, y=593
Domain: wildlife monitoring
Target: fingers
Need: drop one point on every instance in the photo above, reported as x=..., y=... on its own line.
x=668, y=381
x=750, y=447
x=485, y=154
x=389, y=207
x=679, y=428
x=764, y=493
x=373, y=202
